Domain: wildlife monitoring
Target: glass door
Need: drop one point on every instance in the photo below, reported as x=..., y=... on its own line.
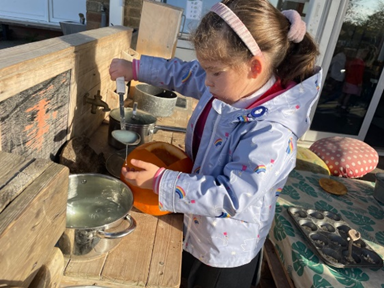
x=350, y=103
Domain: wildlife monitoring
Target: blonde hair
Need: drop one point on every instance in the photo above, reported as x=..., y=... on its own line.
x=214, y=40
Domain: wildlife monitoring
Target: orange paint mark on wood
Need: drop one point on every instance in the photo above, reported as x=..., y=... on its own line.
x=44, y=91
x=40, y=127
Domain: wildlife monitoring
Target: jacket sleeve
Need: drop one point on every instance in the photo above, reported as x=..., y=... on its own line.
x=249, y=182
x=186, y=78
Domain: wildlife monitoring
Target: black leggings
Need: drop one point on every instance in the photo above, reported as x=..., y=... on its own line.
x=199, y=275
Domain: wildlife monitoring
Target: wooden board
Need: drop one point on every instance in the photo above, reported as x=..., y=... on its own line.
x=86, y=56
x=50, y=274
x=279, y=273
x=32, y=217
x=158, y=29
x=165, y=271
x=149, y=257
x=16, y=174
x=34, y=121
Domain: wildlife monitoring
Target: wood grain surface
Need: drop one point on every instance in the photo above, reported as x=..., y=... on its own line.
x=34, y=121
x=38, y=81
x=148, y=257
x=33, y=221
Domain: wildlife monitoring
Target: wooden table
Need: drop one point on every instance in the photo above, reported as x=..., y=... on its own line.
x=151, y=255
x=148, y=257
x=358, y=208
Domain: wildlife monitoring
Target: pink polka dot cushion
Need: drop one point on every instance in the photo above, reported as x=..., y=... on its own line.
x=346, y=157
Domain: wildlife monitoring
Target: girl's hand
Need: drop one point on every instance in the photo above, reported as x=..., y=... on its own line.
x=144, y=178
x=121, y=68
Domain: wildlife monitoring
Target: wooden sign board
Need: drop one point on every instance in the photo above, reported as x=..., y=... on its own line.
x=158, y=31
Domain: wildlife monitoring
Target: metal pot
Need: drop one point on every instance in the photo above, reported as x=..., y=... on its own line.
x=154, y=100
x=143, y=124
x=97, y=215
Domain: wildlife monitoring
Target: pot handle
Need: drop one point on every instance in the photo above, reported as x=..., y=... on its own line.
x=115, y=235
x=170, y=128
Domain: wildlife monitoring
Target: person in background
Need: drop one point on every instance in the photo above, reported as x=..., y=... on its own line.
x=335, y=78
x=256, y=81
x=354, y=73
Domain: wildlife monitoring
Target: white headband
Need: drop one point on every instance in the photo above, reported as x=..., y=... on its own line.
x=296, y=32
x=238, y=26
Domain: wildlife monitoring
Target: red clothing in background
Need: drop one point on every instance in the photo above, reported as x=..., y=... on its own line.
x=354, y=71
x=354, y=77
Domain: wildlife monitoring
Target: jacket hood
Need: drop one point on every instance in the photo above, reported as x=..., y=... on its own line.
x=291, y=108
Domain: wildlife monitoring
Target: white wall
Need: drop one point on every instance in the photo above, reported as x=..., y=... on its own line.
x=42, y=11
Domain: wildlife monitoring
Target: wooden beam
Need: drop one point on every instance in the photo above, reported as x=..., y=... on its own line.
x=278, y=271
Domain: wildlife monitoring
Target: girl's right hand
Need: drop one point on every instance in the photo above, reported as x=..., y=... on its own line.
x=121, y=68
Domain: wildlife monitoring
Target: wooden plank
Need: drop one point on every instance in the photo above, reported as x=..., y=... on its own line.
x=85, y=270
x=10, y=166
x=50, y=274
x=130, y=262
x=158, y=29
x=279, y=273
x=16, y=173
x=127, y=264
x=74, y=281
x=87, y=55
x=32, y=223
x=35, y=68
x=34, y=122
x=149, y=257
x=166, y=259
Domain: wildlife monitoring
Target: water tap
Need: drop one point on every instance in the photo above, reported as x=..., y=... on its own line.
x=96, y=102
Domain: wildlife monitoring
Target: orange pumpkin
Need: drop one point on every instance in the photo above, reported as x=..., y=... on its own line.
x=161, y=154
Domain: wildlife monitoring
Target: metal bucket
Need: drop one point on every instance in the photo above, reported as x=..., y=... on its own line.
x=97, y=215
x=156, y=101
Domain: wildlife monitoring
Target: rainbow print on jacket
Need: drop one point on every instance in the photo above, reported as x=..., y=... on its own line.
x=243, y=118
x=218, y=142
x=278, y=191
x=186, y=77
x=260, y=168
x=290, y=146
x=223, y=215
x=180, y=192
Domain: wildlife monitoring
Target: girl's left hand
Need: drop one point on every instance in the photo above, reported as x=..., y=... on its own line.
x=143, y=178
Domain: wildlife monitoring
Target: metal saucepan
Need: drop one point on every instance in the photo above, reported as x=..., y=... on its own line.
x=143, y=124
x=97, y=215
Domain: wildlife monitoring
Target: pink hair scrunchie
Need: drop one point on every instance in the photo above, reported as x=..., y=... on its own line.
x=298, y=27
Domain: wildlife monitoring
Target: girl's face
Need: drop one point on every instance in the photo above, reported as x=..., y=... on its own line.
x=229, y=84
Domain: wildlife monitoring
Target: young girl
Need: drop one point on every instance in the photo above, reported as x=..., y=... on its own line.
x=256, y=81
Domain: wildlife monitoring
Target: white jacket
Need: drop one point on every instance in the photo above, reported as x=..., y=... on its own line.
x=242, y=164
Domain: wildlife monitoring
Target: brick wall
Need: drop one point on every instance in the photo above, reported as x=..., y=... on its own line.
x=94, y=11
x=132, y=13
